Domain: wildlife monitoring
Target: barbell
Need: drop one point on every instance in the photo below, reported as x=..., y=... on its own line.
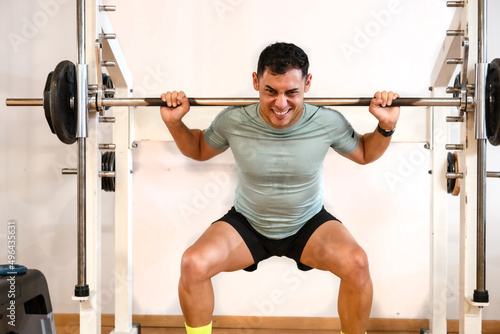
x=60, y=108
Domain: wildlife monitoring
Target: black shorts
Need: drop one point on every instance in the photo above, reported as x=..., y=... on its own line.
x=262, y=247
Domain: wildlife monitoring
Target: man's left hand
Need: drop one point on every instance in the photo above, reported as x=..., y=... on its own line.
x=380, y=107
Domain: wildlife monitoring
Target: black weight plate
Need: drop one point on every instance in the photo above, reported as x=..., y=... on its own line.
x=493, y=102
x=108, y=168
x=62, y=89
x=46, y=102
x=450, y=183
x=107, y=184
x=112, y=168
x=457, y=84
x=107, y=83
x=103, y=168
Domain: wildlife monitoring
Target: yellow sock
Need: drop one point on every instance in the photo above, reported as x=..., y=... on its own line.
x=200, y=330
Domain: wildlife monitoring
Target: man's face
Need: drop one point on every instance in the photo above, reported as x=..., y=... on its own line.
x=281, y=96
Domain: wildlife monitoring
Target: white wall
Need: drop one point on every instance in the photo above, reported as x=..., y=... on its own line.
x=210, y=48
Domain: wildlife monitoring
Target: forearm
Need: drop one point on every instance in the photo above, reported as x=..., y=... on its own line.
x=374, y=146
x=187, y=140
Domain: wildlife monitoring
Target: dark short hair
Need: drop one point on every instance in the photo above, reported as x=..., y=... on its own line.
x=280, y=57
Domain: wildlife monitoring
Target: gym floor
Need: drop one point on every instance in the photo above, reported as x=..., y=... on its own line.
x=163, y=330
x=107, y=330
x=69, y=323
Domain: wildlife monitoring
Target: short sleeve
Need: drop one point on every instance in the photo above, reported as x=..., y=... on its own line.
x=215, y=134
x=344, y=138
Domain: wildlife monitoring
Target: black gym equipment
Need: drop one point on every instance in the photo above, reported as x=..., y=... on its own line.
x=46, y=102
x=453, y=183
x=59, y=102
x=493, y=102
x=62, y=92
x=25, y=305
x=450, y=169
x=107, y=83
x=108, y=165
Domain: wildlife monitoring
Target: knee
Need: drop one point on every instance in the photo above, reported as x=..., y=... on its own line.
x=355, y=266
x=195, y=267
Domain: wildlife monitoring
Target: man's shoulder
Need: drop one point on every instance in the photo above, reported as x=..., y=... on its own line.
x=237, y=113
x=322, y=112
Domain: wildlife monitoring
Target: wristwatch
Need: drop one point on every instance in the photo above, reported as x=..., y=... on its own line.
x=385, y=133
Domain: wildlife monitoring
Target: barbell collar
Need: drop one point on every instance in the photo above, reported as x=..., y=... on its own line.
x=81, y=75
x=480, y=94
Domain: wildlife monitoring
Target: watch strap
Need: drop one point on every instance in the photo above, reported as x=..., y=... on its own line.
x=385, y=133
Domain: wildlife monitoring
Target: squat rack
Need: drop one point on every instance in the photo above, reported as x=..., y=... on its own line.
x=92, y=27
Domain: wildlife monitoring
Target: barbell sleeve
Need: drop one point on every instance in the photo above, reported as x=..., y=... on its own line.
x=24, y=102
x=226, y=101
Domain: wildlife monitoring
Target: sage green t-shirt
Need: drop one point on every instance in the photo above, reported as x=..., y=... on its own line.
x=280, y=179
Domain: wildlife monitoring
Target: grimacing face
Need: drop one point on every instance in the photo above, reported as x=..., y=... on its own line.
x=281, y=96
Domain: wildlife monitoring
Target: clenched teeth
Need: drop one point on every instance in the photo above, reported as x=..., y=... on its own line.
x=281, y=113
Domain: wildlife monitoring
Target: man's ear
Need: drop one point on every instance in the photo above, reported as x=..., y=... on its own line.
x=255, y=79
x=308, y=83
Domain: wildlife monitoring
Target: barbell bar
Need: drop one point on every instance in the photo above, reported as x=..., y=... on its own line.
x=60, y=104
x=227, y=101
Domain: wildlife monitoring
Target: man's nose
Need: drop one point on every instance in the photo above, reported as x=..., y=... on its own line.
x=281, y=101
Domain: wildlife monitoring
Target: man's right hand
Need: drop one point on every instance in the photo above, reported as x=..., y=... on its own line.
x=177, y=106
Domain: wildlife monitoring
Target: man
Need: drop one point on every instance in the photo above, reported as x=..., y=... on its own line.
x=278, y=206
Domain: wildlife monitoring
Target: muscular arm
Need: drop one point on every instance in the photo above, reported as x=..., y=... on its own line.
x=373, y=145
x=190, y=142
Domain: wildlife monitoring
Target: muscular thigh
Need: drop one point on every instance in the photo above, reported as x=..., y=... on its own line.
x=329, y=247
x=222, y=249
